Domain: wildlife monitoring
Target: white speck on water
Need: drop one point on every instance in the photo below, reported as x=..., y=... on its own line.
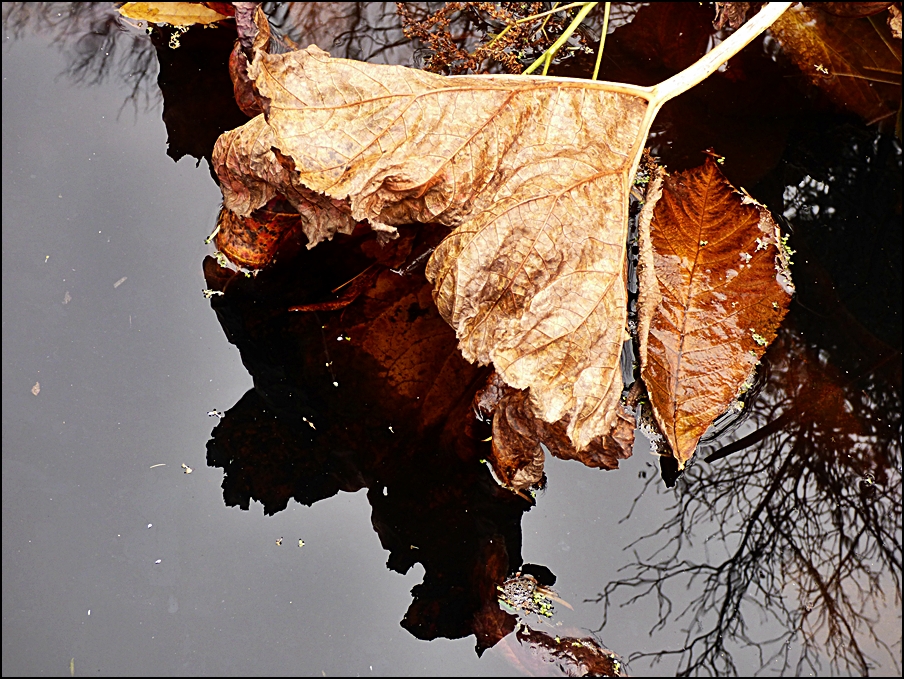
x=150, y=524
x=158, y=561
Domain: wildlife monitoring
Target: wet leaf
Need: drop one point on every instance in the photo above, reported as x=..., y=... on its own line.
x=518, y=457
x=243, y=89
x=732, y=14
x=715, y=285
x=894, y=25
x=532, y=174
x=853, y=9
x=855, y=61
x=665, y=37
x=536, y=651
x=173, y=13
x=253, y=241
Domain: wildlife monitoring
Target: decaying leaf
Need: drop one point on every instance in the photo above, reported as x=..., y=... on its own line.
x=531, y=173
x=518, y=459
x=535, y=651
x=855, y=61
x=732, y=14
x=715, y=285
x=894, y=22
x=253, y=241
x=173, y=13
x=243, y=89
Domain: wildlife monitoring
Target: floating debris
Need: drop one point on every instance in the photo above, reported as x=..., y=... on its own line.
x=36, y=389
x=300, y=542
x=120, y=281
x=279, y=542
x=522, y=592
x=213, y=235
x=158, y=561
x=150, y=525
x=215, y=413
x=208, y=293
x=186, y=469
x=162, y=464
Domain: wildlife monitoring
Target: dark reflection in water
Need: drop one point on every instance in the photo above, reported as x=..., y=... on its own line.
x=97, y=47
x=783, y=547
x=797, y=521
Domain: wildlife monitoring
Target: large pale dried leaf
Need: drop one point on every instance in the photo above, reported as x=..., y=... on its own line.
x=257, y=175
x=716, y=286
x=532, y=173
x=173, y=13
x=854, y=61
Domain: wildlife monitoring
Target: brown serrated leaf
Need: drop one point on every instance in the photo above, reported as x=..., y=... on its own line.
x=716, y=284
x=532, y=173
x=854, y=61
x=173, y=13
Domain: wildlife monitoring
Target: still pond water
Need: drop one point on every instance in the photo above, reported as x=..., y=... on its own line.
x=782, y=557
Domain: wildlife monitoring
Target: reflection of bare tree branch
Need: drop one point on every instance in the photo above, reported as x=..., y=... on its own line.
x=95, y=42
x=809, y=522
x=367, y=31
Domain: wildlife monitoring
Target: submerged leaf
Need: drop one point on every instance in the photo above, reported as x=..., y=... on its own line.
x=855, y=61
x=715, y=286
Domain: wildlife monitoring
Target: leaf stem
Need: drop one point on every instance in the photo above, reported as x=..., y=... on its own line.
x=546, y=14
x=599, y=54
x=547, y=56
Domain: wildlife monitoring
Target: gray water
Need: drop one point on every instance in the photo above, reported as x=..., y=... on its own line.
x=117, y=562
